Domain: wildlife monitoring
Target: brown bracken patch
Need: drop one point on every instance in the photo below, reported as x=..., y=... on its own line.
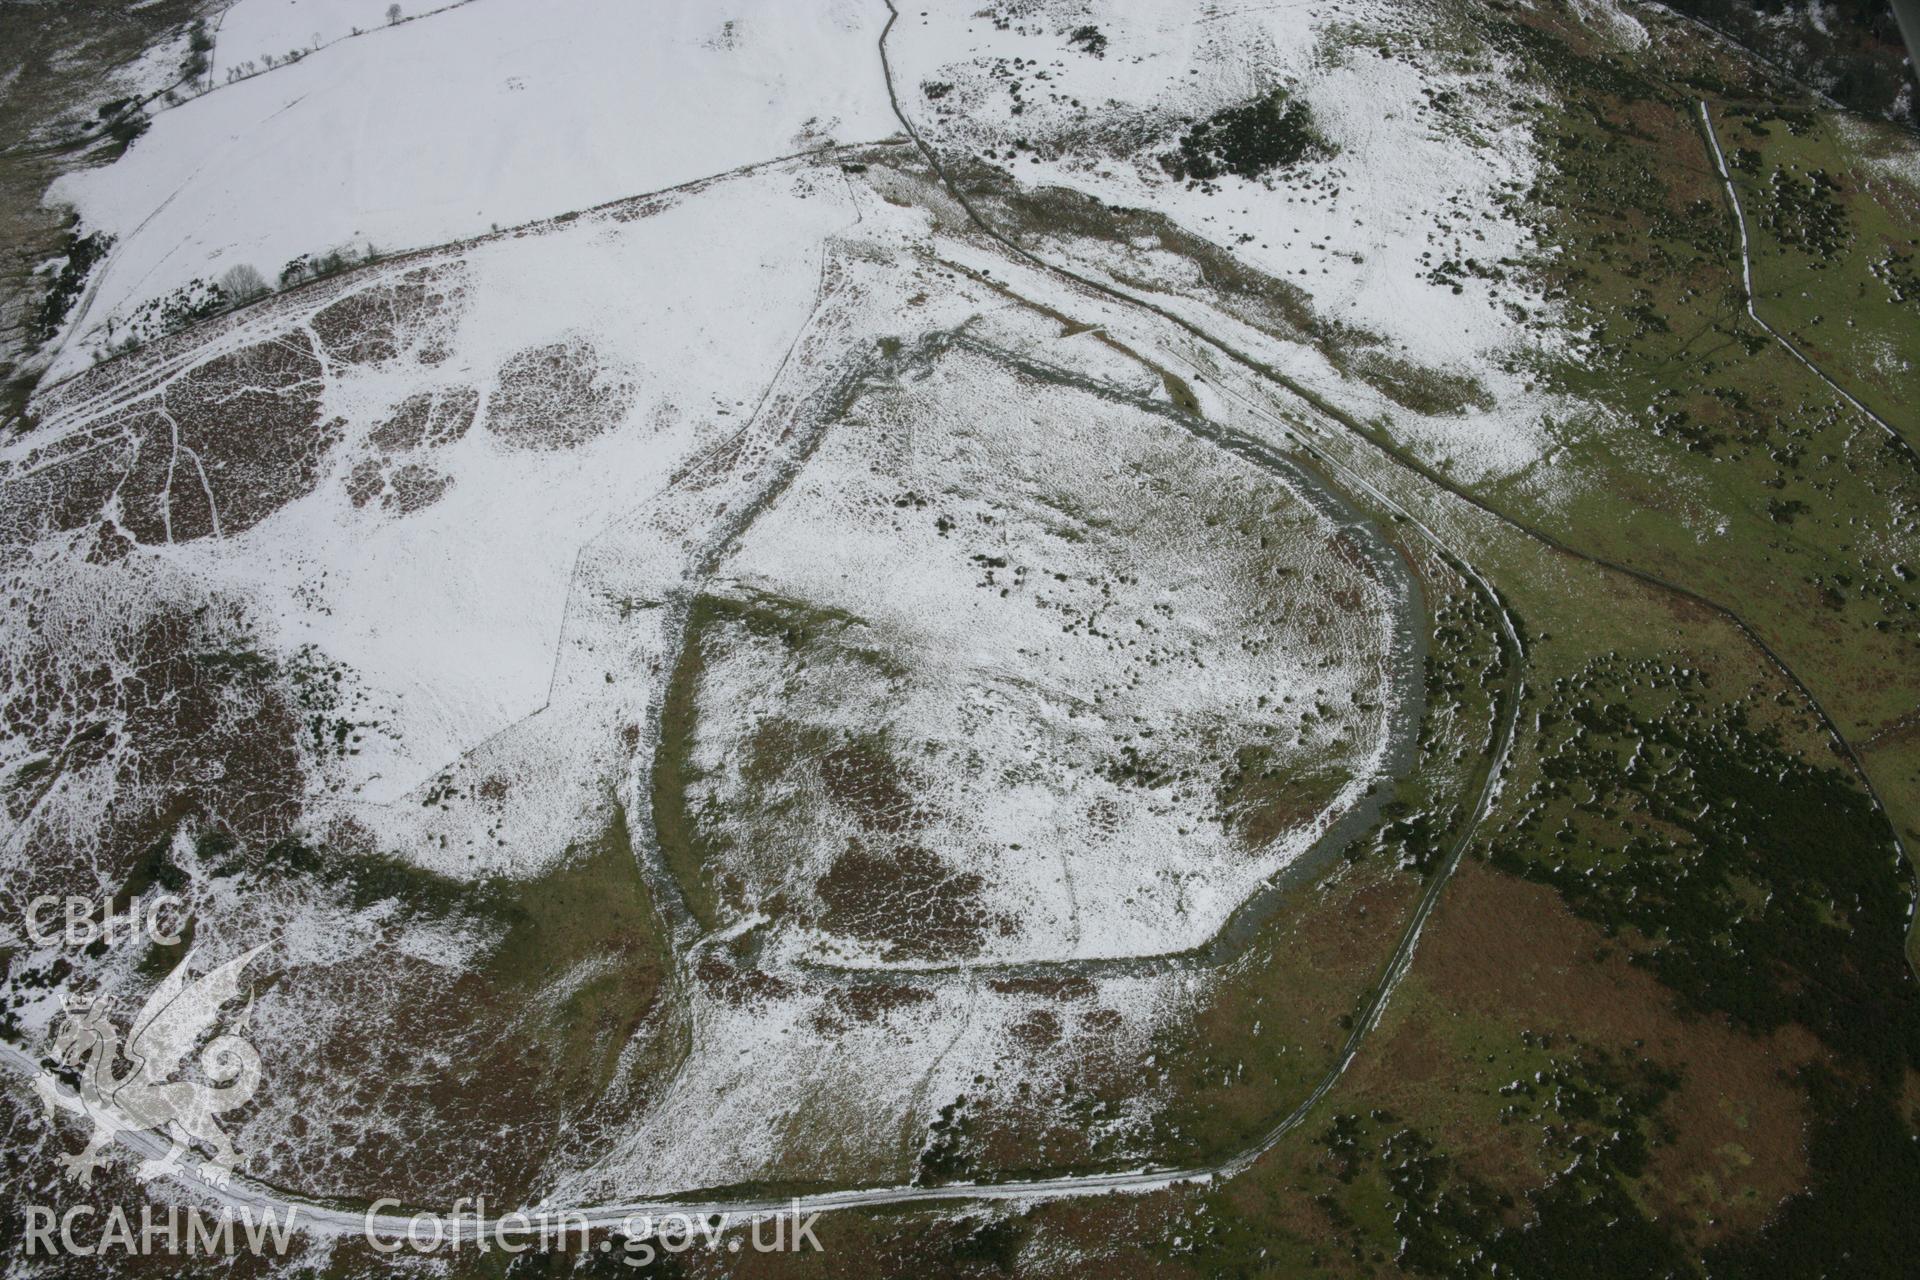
x=197, y=731
x=426, y=420
x=1506, y=950
x=219, y=449
x=1261, y=798
x=557, y=396
x=868, y=1003
x=377, y=323
x=739, y=986
x=908, y=899
x=1072, y=987
x=1038, y=1031
x=407, y=428
x=871, y=786
x=415, y=486
x=366, y=482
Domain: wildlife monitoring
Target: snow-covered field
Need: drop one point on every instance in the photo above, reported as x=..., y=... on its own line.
x=486, y=115
x=252, y=36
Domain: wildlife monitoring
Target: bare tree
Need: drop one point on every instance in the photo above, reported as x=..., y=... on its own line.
x=393, y=14
x=242, y=283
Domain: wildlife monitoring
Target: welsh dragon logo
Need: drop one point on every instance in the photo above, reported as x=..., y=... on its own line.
x=181, y=1010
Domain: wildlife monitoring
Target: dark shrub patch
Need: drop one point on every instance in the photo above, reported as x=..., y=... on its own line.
x=83, y=254
x=1271, y=132
x=1089, y=39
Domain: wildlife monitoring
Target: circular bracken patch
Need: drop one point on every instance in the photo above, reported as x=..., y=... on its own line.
x=557, y=396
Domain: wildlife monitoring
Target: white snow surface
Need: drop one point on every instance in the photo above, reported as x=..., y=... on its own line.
x=456, y=610
x=249, y=30
x=490, y=114
x=1412, y=184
